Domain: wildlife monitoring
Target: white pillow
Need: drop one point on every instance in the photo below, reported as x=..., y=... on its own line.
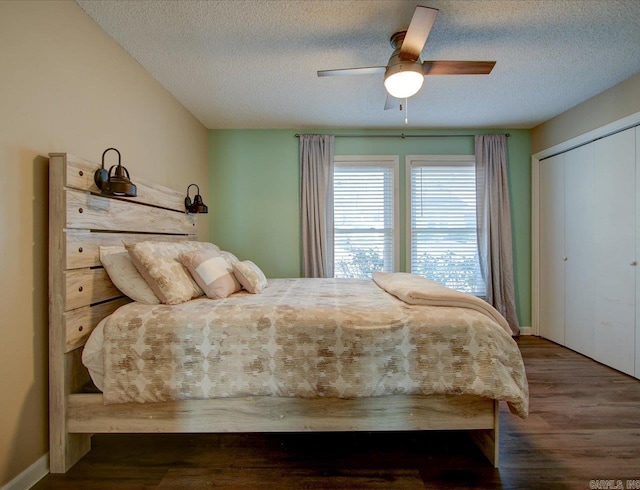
x=212, y=272
x=125, y=276
x=92, y=356
x=250, y=276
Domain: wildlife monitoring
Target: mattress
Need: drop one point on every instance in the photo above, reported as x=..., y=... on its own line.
x=306, y=338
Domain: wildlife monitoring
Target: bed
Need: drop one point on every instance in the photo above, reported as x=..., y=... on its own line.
x=82, y=297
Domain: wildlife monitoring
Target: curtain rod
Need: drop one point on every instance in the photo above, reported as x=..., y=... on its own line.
x=403, y=136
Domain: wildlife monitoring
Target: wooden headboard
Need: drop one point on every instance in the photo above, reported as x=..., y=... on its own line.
x=80, y=292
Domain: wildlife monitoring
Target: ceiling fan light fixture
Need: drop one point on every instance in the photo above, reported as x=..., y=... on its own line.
x=404, y=80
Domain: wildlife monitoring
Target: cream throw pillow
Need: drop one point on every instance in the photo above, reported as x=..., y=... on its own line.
x=212, y=272
x=125, y=276
x=231, y=259
x=250, y=276
x=92, y=356
x=159, y=263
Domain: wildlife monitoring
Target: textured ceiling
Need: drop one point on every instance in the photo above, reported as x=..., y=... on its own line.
x=252, y=64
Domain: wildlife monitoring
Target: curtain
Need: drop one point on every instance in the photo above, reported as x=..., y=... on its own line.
x=494, y=225
x=316, y=204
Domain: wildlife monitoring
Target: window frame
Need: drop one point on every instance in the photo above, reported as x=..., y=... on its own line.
x=389, y=161
x=412, y=161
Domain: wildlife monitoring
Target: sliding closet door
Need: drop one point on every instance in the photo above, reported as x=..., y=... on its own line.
x=589, y=234
x=615, y=250
x=637, y=342
x=579, y=209
x=551, y=263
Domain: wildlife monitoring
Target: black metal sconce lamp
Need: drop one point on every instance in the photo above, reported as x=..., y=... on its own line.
x=197, y=206
x=116, y=184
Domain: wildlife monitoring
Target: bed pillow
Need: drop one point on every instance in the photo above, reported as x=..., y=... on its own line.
x=250, y=276
x=231, y=259
x=125, y=276
x=92, y=356
x=213, y=273
x=159, y=264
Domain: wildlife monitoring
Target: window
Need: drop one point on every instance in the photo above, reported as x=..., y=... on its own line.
x=442, y=202
x=365, y=215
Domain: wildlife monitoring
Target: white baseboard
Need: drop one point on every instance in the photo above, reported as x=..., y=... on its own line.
x=526, y=331
x=32, y=475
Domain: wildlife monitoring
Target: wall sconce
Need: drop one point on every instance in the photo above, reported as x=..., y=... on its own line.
x=197, y=206
x=118, y=184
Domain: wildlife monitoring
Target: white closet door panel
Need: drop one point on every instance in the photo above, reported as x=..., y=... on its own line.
x=579, y=205
x=637, y=334
x=615, y=250
x=551, y=263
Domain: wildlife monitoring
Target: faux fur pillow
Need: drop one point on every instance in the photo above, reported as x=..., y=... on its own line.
x=159, y=264
x=212, y=272
x=250, y=276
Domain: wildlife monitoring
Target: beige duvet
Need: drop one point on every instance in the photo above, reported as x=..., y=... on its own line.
x=308, y=338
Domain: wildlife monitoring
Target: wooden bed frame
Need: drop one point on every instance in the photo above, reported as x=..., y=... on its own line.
x=81, y=294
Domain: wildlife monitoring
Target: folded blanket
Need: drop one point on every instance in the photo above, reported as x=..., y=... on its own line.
x=418, y=290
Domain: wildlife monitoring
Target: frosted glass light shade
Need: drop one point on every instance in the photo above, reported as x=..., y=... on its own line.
x=404, y=84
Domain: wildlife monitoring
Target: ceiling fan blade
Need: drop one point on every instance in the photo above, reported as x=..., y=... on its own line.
x=417, y=33
x=369, y=70
x=391, y=103
x=457, y=67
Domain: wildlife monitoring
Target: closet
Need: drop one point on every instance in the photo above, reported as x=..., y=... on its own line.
x=588, y=220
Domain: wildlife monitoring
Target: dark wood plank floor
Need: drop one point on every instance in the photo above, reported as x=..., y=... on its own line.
x=584, y=425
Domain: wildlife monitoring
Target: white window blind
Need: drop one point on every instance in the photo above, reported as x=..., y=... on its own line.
x=364, y=216
x=443, y=242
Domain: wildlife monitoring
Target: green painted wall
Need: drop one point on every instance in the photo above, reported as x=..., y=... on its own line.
x=254, y=208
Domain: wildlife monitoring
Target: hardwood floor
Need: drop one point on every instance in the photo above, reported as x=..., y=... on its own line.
x=583, y=430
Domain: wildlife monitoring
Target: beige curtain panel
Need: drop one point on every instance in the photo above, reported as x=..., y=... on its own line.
x=494, y=225
x=316, y=204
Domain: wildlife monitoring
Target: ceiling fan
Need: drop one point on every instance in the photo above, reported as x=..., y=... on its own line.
x=405, y=72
